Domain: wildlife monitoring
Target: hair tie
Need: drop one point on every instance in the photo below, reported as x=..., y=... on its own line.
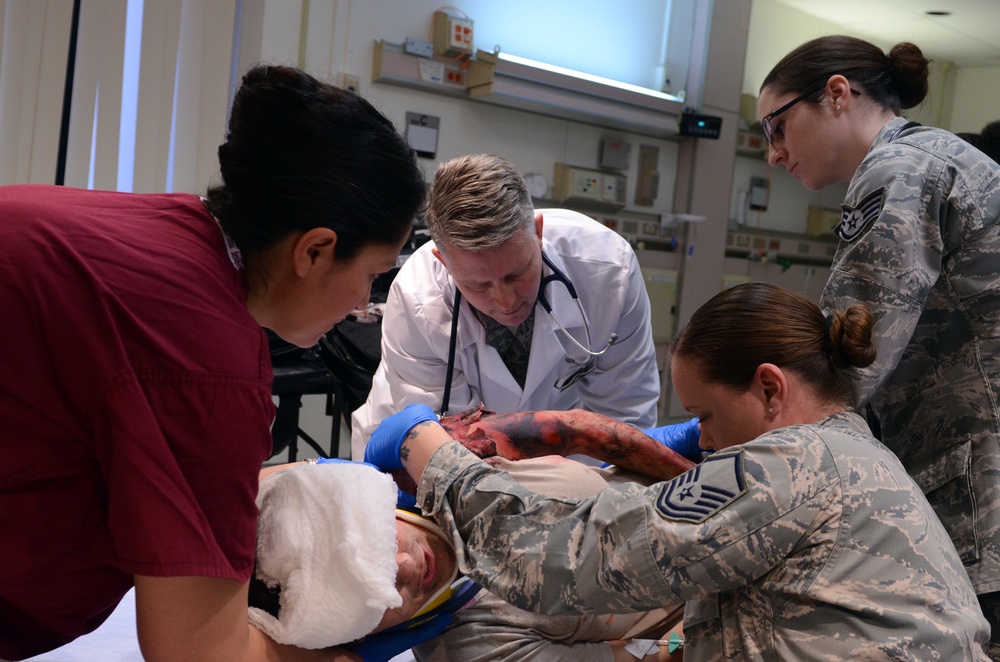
x=827, y=340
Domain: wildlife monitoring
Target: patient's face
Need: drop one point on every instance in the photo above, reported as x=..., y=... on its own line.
x=425, y=563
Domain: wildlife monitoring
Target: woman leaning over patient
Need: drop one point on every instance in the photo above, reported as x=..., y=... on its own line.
x=135, y=383
x=801, y=538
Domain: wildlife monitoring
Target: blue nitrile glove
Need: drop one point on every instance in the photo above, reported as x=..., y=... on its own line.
x=384, y=646
x=406, y=501
x=681, y=438
x=387, y=439
x=337, y=460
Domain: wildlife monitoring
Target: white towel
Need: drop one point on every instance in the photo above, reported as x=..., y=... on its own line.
x=327, y=536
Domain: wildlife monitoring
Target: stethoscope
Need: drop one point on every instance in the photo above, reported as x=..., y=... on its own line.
x=586, y=363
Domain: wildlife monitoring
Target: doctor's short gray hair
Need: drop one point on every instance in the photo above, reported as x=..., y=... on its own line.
x=478, y=202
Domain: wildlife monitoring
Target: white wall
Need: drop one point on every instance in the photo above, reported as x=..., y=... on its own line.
x=340, y=38
x=976, y=98
x=776, y=29
x=533, y=143
x=959, y=99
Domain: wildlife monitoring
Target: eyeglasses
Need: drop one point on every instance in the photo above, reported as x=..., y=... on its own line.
x=765, y=123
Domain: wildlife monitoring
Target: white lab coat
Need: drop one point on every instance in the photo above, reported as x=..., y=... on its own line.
x=417, y=326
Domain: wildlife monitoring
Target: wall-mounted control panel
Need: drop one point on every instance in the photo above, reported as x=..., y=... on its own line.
x=452, y=35
x=700, y=126
x=593, y=188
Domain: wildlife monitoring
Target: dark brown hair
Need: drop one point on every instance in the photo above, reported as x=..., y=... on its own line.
x=301, y=154
x=987, y=141
x=754, y=323
x=894, y=81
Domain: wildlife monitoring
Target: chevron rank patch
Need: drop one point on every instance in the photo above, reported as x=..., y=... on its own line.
x=705, y=490
x=854, y=221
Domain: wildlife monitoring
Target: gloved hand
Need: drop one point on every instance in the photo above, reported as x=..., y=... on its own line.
x=337, y=460
x=384, y=646
x=387, y=439
x=681, y=438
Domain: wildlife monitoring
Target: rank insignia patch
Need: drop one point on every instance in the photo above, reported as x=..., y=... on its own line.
x=705, y=490
x=855, y=220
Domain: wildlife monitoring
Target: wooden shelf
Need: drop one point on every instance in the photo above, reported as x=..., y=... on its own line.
x=798, y=248
x=490, y=79
x=750, y=142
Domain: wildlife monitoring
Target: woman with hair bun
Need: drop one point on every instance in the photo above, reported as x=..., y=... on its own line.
x=135, y=381
x=920, y=244
x=801, y=538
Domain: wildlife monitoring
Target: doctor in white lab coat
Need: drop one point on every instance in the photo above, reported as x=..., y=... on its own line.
x=499, y=272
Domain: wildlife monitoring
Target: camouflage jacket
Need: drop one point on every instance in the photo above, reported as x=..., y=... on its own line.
x=808, y=543
x=492, y=630
x=920, y=243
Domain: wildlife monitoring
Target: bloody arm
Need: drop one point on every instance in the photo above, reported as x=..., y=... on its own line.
x=538, y=433
x=533, y=434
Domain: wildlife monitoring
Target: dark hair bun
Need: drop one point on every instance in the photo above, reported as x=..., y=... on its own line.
x=851, y=337
x=908, y=69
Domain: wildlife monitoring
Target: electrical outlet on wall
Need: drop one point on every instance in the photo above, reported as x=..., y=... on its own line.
x=452, y=35
x=758, y=193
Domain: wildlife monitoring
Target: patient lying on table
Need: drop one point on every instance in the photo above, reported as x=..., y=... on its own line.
x=328, y=572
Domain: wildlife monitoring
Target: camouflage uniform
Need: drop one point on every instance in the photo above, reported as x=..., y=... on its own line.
x=492, y=630
x=809, y=543
x=920, y=242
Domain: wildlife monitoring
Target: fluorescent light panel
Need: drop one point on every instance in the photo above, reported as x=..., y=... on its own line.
x=587, y=77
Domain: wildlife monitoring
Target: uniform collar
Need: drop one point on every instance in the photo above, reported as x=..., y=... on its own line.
x=235, y=255
x=892, y=130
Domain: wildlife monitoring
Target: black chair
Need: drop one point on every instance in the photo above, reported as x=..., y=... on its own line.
x=353, y=350
x=299, y=372
x=341, y=367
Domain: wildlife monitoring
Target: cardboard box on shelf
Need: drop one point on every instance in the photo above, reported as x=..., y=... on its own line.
x=751, y=142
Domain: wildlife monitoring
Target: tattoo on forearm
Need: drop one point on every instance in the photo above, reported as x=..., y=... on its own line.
x=404, y=449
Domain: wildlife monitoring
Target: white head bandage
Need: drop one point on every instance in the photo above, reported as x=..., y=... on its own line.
x=327, y=536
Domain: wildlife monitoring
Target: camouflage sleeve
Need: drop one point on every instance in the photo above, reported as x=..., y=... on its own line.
x=891, y=247
x=723, y=524
x=493, y=631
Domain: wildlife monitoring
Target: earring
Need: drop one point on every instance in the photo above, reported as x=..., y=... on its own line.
x=837, y=106
x=770, y=410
